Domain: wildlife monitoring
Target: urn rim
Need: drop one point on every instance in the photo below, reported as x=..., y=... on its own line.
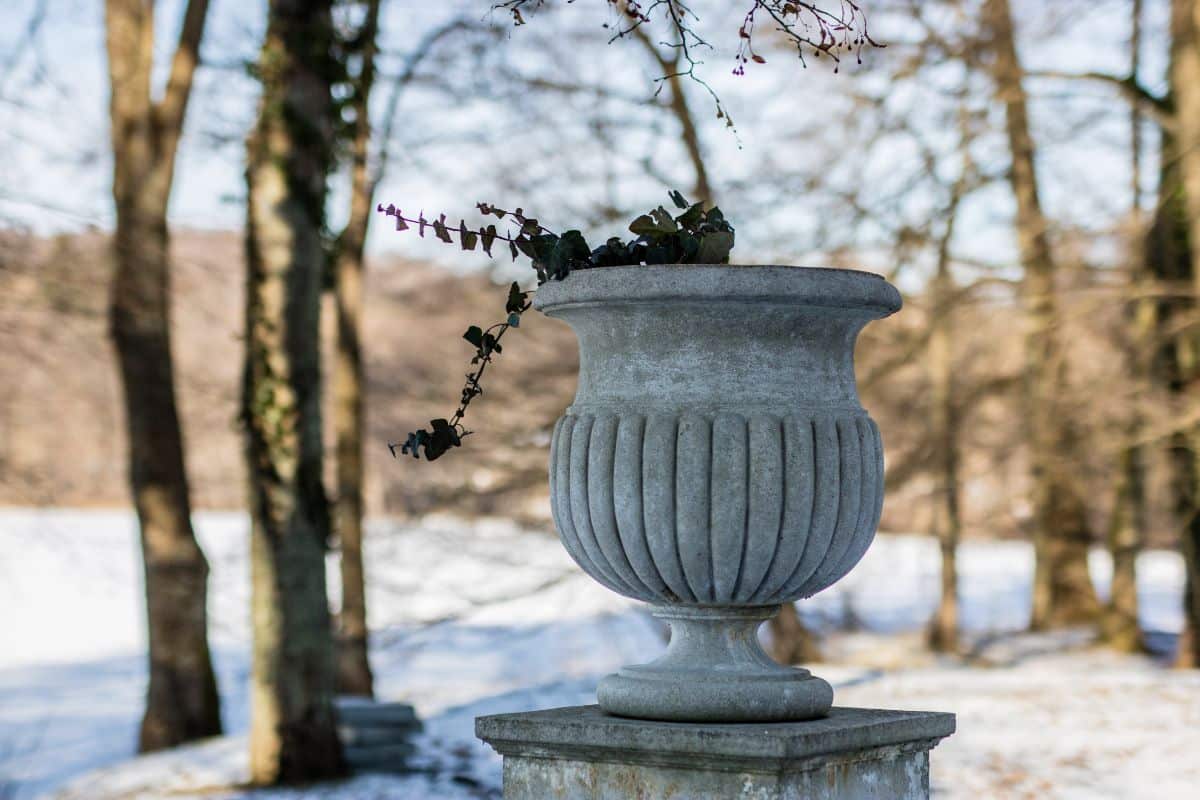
x=781, y=285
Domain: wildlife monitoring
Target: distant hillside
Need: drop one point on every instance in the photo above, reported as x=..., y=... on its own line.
x=62, y=435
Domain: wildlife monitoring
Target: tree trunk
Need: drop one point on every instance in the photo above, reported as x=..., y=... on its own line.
x=1184, y=81
x=791, y=641
x=181, y=698
x=353, y=668
x=1119, y=624
x=1063, y=593
x=943, y=629
x=292, y=731
x=1119, y=627
x=689, y=134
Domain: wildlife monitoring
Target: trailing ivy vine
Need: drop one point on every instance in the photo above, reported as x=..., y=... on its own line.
x=692, y=236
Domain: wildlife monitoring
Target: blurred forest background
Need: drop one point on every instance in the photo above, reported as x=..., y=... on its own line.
x=1028, y=173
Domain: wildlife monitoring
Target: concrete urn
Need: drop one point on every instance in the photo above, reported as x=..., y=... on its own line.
x=716, y=462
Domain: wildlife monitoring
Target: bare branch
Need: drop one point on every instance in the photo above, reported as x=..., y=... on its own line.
x=411, y=63
x=169, y=111
x=1160, y=108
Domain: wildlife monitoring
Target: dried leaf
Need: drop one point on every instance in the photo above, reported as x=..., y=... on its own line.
x=468, y=236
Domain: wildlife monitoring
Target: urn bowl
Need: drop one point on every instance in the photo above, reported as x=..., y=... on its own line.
x=715, y=463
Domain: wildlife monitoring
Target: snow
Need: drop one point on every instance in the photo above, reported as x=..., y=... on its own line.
x=482, y=617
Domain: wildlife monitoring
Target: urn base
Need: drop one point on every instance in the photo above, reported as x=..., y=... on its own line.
x=715, y=670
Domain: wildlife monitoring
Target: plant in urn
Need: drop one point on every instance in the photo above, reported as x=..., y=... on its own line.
x=716, y=461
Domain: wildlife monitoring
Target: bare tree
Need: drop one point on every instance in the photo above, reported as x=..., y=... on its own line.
x=1177, y=238
x=289, y=152
x=181, y=701
x=944, y=416
x=689, y=132
x=367, y=169
x=791, y=640
x=1063, y=593
x=353, y=668
x=1119, y=625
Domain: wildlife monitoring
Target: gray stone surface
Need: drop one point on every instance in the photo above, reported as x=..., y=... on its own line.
x=715, y=670
x=358, y=711
x=376, y=736
x=716, y=455
x=581, y=752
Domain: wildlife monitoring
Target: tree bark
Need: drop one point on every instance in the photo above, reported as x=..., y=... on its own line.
x=689, y=134
x=1063, y=593
x=353, y=669
x=181, y=698
x=1171, y=260
x=791, y=641
x=1183, y=215
x=947, y=522
x=292, y=732
x=1119, y=626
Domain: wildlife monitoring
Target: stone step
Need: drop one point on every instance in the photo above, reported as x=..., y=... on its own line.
x=380, y=758
x=358, y=712
x=363, y=736
x=375, y=736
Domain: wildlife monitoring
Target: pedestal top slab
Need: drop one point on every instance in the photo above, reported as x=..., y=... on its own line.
x=587, y=732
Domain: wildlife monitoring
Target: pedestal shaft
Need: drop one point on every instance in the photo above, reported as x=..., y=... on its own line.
x=715, y=670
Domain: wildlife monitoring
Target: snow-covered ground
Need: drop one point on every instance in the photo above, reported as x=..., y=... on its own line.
x=480, y=617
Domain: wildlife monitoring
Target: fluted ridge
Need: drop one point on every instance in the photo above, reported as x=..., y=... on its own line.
x=717, y=509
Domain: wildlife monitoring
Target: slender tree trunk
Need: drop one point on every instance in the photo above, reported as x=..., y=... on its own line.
x=791, y=641
x=943, y=630
x=947, y=521
x=1184, y=80
x=292, y=732
x=1171, y=263
x=689, y=134
x=1063, y=593
x=181, y=699
x=1119, y=625
x=354, y=670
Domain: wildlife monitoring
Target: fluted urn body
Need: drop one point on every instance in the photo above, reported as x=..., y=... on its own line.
x=716, y=462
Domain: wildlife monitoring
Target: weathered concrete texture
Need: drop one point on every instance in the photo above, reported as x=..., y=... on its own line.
x=715, y=670
x=716, y=456
x=581, y=752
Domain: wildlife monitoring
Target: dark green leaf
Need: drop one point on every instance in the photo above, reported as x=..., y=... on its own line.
x=715, y=247
x=574, y=246
x=692, y=218
x=677, y=198
x=516, y=299
x=656, y=223
x=474, y=335
x=525, y=245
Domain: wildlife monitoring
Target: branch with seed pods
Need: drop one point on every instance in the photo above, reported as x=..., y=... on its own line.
x=834, y=29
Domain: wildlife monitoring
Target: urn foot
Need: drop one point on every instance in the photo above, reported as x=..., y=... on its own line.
x=714, y=670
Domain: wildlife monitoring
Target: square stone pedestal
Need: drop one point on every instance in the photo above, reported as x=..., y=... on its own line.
x=581, y=752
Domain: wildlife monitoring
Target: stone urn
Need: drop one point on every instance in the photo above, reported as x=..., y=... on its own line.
x=716, y=463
